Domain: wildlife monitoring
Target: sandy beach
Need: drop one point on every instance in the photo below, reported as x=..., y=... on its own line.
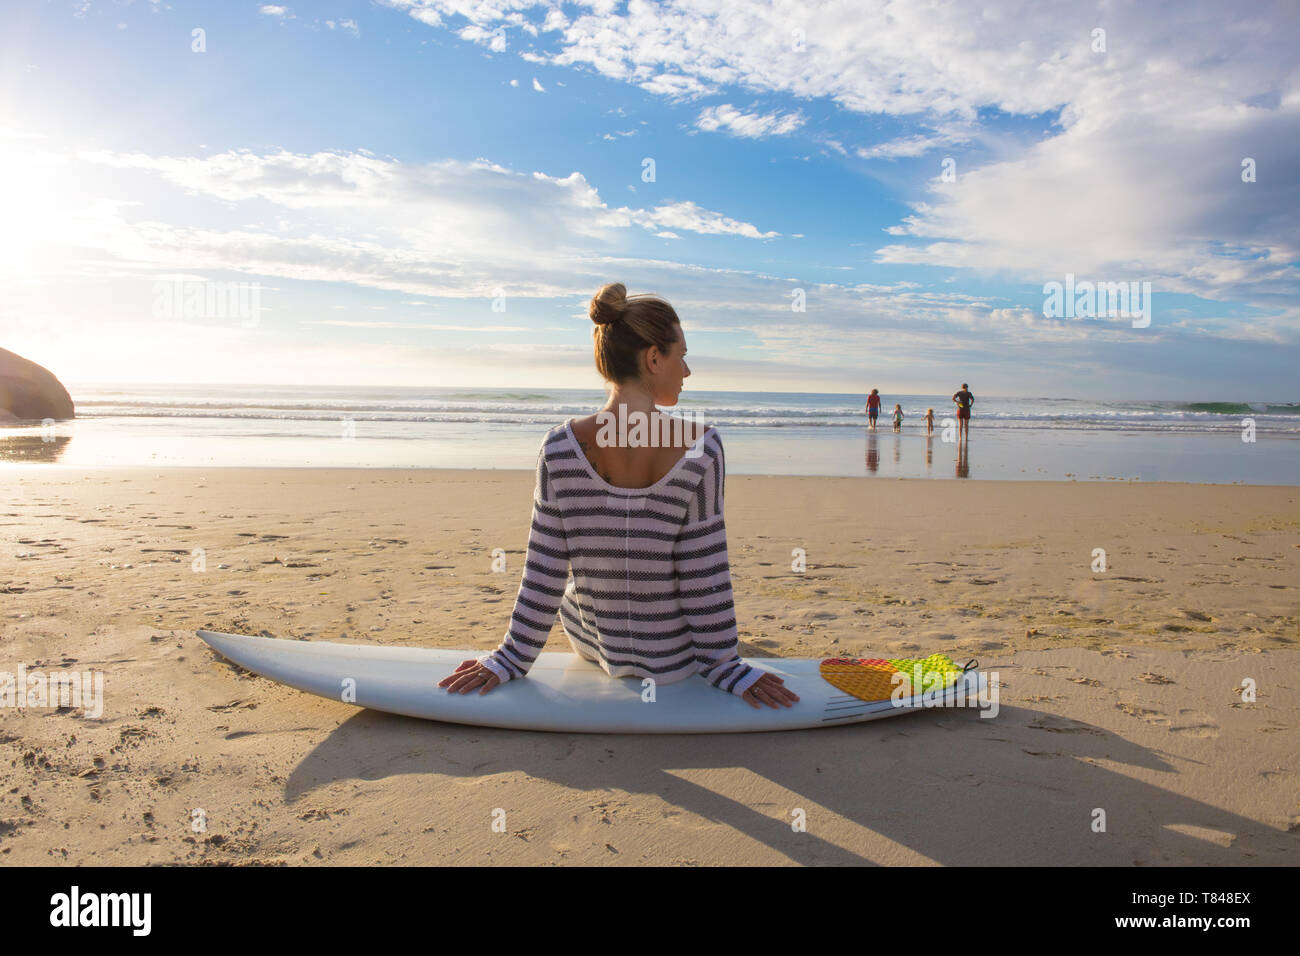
x=1119, y=690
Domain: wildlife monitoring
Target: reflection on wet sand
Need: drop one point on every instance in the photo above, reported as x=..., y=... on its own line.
x=29, y=449
x=962, y=463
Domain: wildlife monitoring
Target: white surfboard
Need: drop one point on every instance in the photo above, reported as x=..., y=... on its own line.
x=563, y=692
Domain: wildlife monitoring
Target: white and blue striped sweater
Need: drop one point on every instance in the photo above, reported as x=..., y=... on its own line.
x=639, y=576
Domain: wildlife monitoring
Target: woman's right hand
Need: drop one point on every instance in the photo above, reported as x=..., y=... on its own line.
x=471, y=675
x=769, y=689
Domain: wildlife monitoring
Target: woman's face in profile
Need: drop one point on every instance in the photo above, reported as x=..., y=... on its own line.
x=672, y=371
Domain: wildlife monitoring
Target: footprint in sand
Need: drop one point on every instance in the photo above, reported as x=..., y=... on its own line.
x=817, y=616
x=1061, y=725
x=243, y=704
x=1143, y=713
x=1191, y=723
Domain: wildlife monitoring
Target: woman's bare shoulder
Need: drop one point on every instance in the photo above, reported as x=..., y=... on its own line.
x=679, y=432
x=584, y=429
x=694, y=430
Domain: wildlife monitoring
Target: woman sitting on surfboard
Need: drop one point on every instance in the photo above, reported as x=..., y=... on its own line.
x=628, y=542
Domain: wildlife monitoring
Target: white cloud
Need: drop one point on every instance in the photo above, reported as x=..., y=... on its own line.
x=538, y=86
x=494, y=40
x=689, y=217
x=1138, y=176
x=462, y=230
x=448, y=228
x=750, y=125
x=1124, y=198
x=349, y=26
x=948, y=57
x=915, y=145
x=271, y=10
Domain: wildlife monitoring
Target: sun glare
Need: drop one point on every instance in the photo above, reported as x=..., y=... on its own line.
x=22, y=191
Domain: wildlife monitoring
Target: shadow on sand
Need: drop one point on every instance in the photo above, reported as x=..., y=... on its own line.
x=956, y=788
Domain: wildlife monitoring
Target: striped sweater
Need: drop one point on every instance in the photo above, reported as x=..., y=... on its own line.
x=639, y=576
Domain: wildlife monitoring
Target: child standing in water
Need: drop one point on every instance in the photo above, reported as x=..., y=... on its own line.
x=929, y=422
x=898, y=417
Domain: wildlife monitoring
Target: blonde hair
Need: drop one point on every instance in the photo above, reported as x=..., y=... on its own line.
x=626, y=326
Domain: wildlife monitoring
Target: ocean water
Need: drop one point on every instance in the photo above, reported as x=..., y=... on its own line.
x=764, y=433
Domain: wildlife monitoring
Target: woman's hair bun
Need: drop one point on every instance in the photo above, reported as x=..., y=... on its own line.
x=626, y=326
x=608, y=305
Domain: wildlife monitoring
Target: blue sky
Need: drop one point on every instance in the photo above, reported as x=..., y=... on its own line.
x=388, y=172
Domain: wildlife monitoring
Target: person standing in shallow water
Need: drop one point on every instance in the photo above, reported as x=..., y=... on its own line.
x=873, y=408
x=963, y=400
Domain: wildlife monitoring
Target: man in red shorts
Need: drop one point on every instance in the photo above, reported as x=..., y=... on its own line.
x=964, y=400
x=873, y=408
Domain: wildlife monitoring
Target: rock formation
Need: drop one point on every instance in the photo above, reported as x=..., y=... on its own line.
x=29, y=392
